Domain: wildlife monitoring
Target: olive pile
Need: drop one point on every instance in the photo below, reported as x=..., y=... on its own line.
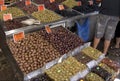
x=107, y=68
x=81, y=57
x=59, y=1
x=33, y=52
x=62, y=39
x=29, y=9
x=70, y=3
x=42, y=77
x=46, y=16
x=93, y=77
x=91, y=52
x=113, y=64
x=15, y=23
x=52, y=6
x=40, y=1
x=66, y=69
x=67, y=13
x=86, y=8
x=13, y=10
x=101, y=72
x=19, y=4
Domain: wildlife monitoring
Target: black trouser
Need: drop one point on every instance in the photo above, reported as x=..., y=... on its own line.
x=117, y=32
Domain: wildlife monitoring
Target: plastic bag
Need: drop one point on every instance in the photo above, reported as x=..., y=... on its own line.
x=83, y=30
x=30, y=22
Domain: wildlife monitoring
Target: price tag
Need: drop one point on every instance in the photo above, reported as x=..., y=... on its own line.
x=27, y=2
x=79, y=3
x=3, y=7
x=48, y=29
x=51, y=1
x=41, y=7
x=1, y=2
x=91, y=64
x=7, y=17
x=18, y=36
x=61, y=7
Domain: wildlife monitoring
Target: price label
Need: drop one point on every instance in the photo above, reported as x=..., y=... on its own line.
x=79, y=3
x=41, y=7
x=48, y=29
x=28, y=2
x=7, y=17
x=18, y=36
x=51, y=1
x=61, y=7
x=3, y=7
x=1, y=2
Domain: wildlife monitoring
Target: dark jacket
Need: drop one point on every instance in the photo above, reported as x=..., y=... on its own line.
x=110, y=7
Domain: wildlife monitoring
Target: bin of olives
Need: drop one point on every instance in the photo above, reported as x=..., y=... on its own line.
x=86, y=8
x=62, y=39
x=93, y=77
x=46, y=16
x=67, y=13
x=91, y=52
x=40, y=1
x=113, y=64
x=59, y=1
x=101, y=72
x=15, y=23
x=107, y=68
x=33, y=52
x=81, y=57
x=70, y=3
x=42, y=77
x=63, y=71
x=51, y=6
x=12, y=10
x=29, y=9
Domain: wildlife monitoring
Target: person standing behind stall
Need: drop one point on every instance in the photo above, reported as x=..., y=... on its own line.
x=106, y=22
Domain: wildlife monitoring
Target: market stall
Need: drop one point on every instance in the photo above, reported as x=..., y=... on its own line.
x=41, y=48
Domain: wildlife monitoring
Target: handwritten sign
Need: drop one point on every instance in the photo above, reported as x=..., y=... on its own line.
x=51, y=1
x=41, y=7
x=1, y=2
x=79, y=3
x=61, y=7
x=27, y=2
x=18, y=36
x=48, y=29
x=3, y=7
x=7, y=17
